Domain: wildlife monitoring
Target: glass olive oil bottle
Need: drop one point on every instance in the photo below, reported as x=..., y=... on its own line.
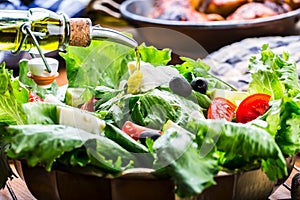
x=52, y=31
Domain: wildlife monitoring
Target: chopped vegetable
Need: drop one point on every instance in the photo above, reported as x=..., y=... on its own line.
x=134, y=130
x=221, y=108
x=33, y=97
x=252, y=107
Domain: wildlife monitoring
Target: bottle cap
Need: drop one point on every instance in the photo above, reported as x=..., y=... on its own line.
x=80, y=31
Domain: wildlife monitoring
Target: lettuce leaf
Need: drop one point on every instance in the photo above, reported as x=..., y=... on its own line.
x=277, y=75
x=246, y=143
x=44, y=144
x=284, y=120
x=272, y=74
x=40, y=113
x=154, y=56
x=102, y=63
x=12, y=96
x=176, y=156
x=152, y=109
x=109, y=66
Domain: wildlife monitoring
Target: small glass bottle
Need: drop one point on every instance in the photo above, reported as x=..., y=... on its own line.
x=52, y=31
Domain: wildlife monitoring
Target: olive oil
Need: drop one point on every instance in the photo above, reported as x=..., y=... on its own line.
x=52, y=34
x=135, y=79
x=49, y=30
x=45, y=30
x=10, y=34
x=138, y=58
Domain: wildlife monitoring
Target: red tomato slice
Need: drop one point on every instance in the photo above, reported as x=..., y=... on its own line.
x=33, y=97
x=252, y=107
x=221, y=108
x=134, y=130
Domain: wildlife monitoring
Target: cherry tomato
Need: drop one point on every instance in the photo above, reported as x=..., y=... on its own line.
x=221, y=108
x=252, y=107
x=134, y=130
x=33, y=97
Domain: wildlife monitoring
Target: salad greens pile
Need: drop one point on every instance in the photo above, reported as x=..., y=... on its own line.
x=191, y=150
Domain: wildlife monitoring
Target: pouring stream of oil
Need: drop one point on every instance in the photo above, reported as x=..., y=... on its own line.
x=135, y=80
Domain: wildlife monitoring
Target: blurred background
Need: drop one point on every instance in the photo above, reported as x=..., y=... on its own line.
x=191, y=28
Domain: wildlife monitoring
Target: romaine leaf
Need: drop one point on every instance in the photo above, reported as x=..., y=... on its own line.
x=266, y=82
x=272, y=74
x=23, y=70
x=44, y=144
x=288, y=134
x=84, y=69
x=12, y=95
x=40, y=113
x=152, y=109
x=109, y=67
x=115, y=160
x=177, y=156
x=244, y=142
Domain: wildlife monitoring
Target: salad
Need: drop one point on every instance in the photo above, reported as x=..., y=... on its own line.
x=179, y=120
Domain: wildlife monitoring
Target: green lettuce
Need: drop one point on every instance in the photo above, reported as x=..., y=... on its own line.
x=152, y=109
x=277, y=76
x=93, y=65
x=272, y=74
x=176, y=156
x=242, y=146
x=105, y=63
x=12, y=96
x=44, y=144
x=284, y=122
x=154, y=56
x=40, y=113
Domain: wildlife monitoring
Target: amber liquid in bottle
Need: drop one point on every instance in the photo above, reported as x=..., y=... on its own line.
x=49, y=30
x=53, y=34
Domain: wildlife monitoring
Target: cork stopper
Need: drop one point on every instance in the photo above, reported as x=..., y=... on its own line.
x=80, y=31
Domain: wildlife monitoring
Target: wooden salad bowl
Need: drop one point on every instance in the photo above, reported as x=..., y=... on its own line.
x=140, y=183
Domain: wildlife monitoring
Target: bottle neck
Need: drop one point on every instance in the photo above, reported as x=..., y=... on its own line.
x=51, y=31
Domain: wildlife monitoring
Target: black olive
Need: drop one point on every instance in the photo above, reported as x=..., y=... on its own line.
x=179, y=85
x=148, y=134
x=200, y=85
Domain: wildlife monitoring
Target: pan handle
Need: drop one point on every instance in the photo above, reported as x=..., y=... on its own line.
x=108, y=6
x=294, y=188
